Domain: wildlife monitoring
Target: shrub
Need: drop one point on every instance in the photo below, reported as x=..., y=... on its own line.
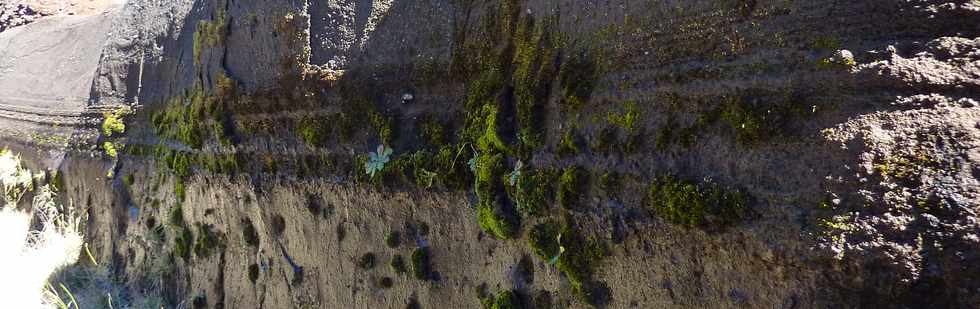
x=568, y=146
x=503, y=300
x=543, y=240
x=176, y=216
x=249, y=235
x=398, y=264
x=366, y=261
x=420, y=264
x=393, y=239
x=572, y=186
x=207, y=241
x=253, y=273
x=182, y=243
x=113, y=122
x=610, y=182
x=531, y=192
x=311, y=130
x=386, y=282
x=578, y=261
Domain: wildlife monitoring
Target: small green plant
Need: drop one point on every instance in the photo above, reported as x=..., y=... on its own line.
x=253, y=273
x=398, y=264
x=367, y=261
x=386, y=282
x=207, y=241
x=110, y=149
x=629, y=119
x=420, y=264
x=128, y=180
x=494, y=221
x=543, y=240
x=183, y=242
x=610, y=182
x=516, y=173
x=113, y=122
x=377, y=160
x=531, y=192
x=572, y=186
x=568, y=146
x=393, y=239
x=311, y=131
x=503, y=300
x=432, y=132
x=386, y=126
x=179, y=190
x=249, y=235
x=176, y=217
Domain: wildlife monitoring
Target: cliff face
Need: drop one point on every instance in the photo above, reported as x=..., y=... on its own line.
x=651, y=154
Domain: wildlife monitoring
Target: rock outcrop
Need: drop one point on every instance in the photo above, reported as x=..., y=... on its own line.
x=720, y=154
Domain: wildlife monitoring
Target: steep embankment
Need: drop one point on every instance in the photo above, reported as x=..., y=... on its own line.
x=705, y=154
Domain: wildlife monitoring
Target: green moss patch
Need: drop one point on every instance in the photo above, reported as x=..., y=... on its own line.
x=572, y=186
x=697, y=205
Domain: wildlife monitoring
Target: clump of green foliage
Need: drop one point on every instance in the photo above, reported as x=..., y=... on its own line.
x=543, y=240
x=393, y=239
x=747, y=124
x=179, y=190
x=249, y=234
x=386, y=126
x=572, y=186
x=491, y=215
x=253, y=273
x=366, y=261
x=503, y=300
x=193, y=118
x=110, y=149
x=532, y=191
x=128, y=180
x=113, y=122
x=207, y=241
x=606, y=139
x=907, y=167
x=183, y=241
x=209, y=33
x=534, y=55
x=496, y=222
x=398, y=264
x=610, y=182
x=578, y=75
x=421, y=267
x=628, y=120
x=176, y=216
x=312, y=129
x=490, y=140
x=568, y=146
x=433, y=132
x=692, y=205
x=574, y=255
